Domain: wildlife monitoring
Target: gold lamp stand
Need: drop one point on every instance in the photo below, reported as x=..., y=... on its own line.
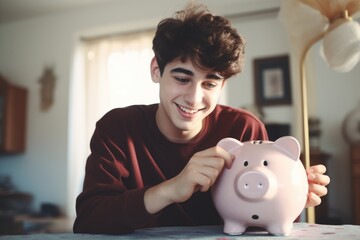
x=310, y=211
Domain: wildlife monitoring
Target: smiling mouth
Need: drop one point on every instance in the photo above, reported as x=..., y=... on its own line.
x=187, y=110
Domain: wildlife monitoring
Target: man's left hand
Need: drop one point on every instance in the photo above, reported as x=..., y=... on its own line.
x=317, y=184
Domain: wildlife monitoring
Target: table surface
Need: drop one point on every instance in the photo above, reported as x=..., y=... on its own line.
x=300, y=231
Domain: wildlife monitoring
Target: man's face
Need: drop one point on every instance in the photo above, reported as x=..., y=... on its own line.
x=187, y=95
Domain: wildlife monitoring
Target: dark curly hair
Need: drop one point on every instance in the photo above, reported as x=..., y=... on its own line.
x=208, y=40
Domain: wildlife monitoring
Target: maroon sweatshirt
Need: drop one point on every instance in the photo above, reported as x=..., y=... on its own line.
x=129, y=154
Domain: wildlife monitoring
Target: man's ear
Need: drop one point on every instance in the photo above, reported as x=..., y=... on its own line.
x=155, y=70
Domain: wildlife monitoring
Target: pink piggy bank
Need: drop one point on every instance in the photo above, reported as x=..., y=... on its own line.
x=265, y=187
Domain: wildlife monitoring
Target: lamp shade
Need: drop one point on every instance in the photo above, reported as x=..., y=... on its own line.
x=341, y=46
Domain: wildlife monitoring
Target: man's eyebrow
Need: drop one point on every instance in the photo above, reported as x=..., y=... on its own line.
x=182, y=70
x=214, y=76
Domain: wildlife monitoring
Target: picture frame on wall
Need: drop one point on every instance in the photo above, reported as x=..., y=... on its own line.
x=272, y=81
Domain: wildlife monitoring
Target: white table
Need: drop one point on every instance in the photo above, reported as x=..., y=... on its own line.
x=300, y=231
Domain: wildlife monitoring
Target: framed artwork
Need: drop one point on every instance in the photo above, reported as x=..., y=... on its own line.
x=272, y=81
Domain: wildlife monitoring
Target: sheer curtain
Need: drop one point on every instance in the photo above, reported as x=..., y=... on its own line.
x=108, y=73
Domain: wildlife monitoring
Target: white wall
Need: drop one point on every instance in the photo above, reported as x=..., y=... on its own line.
x=265, y=37
x=337, y=95
x=28, y=46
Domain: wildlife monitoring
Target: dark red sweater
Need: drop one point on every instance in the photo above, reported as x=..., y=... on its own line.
x=130, y=154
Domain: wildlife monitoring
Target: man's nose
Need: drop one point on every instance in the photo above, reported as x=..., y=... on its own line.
x=194, y=95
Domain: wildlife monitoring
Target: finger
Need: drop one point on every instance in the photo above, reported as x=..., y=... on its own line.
x=317, y=189
x=230, y=162
x=201, y=177
x=316, y=169
x=202, y=183
x=313, y=200
x=319, y=179
x=217, y=153
x=211, y=173
x=214, y=162
x=228, y=157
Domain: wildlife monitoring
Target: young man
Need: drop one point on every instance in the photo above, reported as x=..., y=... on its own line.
x=154, y=165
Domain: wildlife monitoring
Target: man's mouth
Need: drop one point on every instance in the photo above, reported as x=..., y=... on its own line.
x=187, y=110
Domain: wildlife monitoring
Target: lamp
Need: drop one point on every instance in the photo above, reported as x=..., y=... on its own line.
x=332, y=22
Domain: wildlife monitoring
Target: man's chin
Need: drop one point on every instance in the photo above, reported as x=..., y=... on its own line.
x=188, y=127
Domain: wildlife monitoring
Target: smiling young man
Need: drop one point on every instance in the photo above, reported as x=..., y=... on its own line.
x=153, y=165
x=187, y=96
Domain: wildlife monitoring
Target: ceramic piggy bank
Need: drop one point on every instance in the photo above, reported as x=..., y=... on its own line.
x=265, y=187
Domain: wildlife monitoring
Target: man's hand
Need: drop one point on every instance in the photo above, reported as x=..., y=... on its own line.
x=317, y=184
x=199, y=174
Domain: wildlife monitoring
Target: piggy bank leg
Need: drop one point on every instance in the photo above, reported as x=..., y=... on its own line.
x=283, y=229
x=233, y=228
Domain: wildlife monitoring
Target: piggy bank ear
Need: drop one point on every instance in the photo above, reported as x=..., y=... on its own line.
x=229, y=144
x=289, y=145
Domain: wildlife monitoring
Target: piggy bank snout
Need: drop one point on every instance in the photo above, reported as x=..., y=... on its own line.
x=254, y=186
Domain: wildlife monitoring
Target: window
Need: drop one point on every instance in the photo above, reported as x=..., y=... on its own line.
x=108, y=73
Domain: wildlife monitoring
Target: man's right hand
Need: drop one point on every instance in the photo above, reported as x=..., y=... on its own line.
x=199, y=174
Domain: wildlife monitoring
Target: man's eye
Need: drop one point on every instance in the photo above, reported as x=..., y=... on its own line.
x=181, y=80
x=209, y=84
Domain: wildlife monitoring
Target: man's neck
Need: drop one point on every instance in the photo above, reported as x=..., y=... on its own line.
x=172, y=133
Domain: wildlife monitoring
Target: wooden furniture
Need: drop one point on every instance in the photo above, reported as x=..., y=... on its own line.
x=355, y=174
x=11, y=205
x=13, y=105
x=27, y=224
x=16, y=216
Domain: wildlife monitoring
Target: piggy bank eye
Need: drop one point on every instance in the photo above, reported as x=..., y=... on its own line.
x=265, y=163
x=246, y=163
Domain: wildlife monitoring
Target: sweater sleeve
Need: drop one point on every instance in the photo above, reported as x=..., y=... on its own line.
x=107, y=204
